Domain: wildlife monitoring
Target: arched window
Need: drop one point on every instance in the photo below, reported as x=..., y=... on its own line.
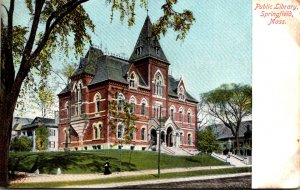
x=158, y=83
x=143, y=134
x=181, y=115
x=189, y=117
x=181, y=138
x=97, y=130
x=120, y=102
x=181, y=93
x=67, y=108
x=120, y=131
x=97, y=103
x=79, y=99
x=132, y=104
x=132, y=81
x=172, y=111
x=132, y=135
x=189, y=139
x=143, y=107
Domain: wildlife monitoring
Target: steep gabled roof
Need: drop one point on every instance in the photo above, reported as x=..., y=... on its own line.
x=87, y=64
x=147, y=43
x=223, y=132
x=172, y=91
x=110, y=68
x=49, y=122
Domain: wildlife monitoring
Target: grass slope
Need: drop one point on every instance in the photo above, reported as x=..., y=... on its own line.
x=93, y=161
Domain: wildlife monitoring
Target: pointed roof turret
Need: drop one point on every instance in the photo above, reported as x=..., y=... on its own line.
x=147, y=45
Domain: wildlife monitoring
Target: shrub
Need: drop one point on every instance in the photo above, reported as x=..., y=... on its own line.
x=21, y=144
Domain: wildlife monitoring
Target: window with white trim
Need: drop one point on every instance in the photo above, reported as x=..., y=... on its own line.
x=143, y=107
x=189, y=117
x=132, y=81
x=120, y=131
x=120, y=102
x=189, y=139
x=97, y=103
x=158, y=83
x=143, y=134
x=181, y=93
x=132, y=102
x=181, y=115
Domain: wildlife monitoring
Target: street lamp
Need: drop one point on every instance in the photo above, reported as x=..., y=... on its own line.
x=159, y=142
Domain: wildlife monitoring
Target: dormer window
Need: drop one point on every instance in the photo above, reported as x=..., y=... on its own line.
x=181, y=93
x=138, y=50
x=132, y=81
x=157, y=50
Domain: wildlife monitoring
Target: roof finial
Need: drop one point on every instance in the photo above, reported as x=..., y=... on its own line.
x=147, y=7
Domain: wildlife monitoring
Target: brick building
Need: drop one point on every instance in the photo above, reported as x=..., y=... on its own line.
x=143, y=81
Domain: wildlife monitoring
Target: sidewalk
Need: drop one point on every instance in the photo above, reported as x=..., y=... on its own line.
x=158, y=181
x=32, y=178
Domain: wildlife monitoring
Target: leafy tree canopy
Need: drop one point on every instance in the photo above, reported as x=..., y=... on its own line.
x=230, y=103
x=207, y=141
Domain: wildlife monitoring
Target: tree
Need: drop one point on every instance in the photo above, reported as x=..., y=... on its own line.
x=26, y=51
x=207, y=141
x=230, y=103
x=21, y=144
x=41, y=138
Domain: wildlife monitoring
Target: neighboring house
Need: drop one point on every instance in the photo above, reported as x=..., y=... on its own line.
x=18, y=122
x=144, y=82
x=225, y=137
x=29, y=130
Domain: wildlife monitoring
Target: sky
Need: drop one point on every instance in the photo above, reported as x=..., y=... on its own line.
x=216, y=50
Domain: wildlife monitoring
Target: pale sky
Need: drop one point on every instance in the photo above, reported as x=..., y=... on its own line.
x=217, y=49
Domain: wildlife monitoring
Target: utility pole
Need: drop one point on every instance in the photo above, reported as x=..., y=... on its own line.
x=159, y=144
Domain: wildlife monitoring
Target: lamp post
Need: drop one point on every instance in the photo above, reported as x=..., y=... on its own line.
x=159, y=142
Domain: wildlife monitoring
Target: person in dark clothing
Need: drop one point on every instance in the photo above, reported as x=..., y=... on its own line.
x=107, y=170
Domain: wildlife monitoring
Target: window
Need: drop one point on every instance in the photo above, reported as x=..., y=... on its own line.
x=132, y=81
x=51, y=144
x=120, y=131
x=157, y=110
x=158, y=82
x=120, y=102
x=67, y=108
x=172, y=110
x=143, y=133
x=132, y=104
x=189, y=117
x=157, y=50
x=97, y=130
x=79, y=99
x=138, y=50
x=143, y=107
x=181, y=138
x=132, y=135
x=52, y=132
x=189, y=139
x=181, y=93
x=181, y=115
x=98, y=103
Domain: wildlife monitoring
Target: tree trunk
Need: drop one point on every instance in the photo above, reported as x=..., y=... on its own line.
x=5, y=135
x=237, y=140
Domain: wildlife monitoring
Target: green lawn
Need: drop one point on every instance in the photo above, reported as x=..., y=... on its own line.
x=93, y=161
x=132, y=178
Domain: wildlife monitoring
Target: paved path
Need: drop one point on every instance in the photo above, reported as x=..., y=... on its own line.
x=32, y=178
x=159, y=181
